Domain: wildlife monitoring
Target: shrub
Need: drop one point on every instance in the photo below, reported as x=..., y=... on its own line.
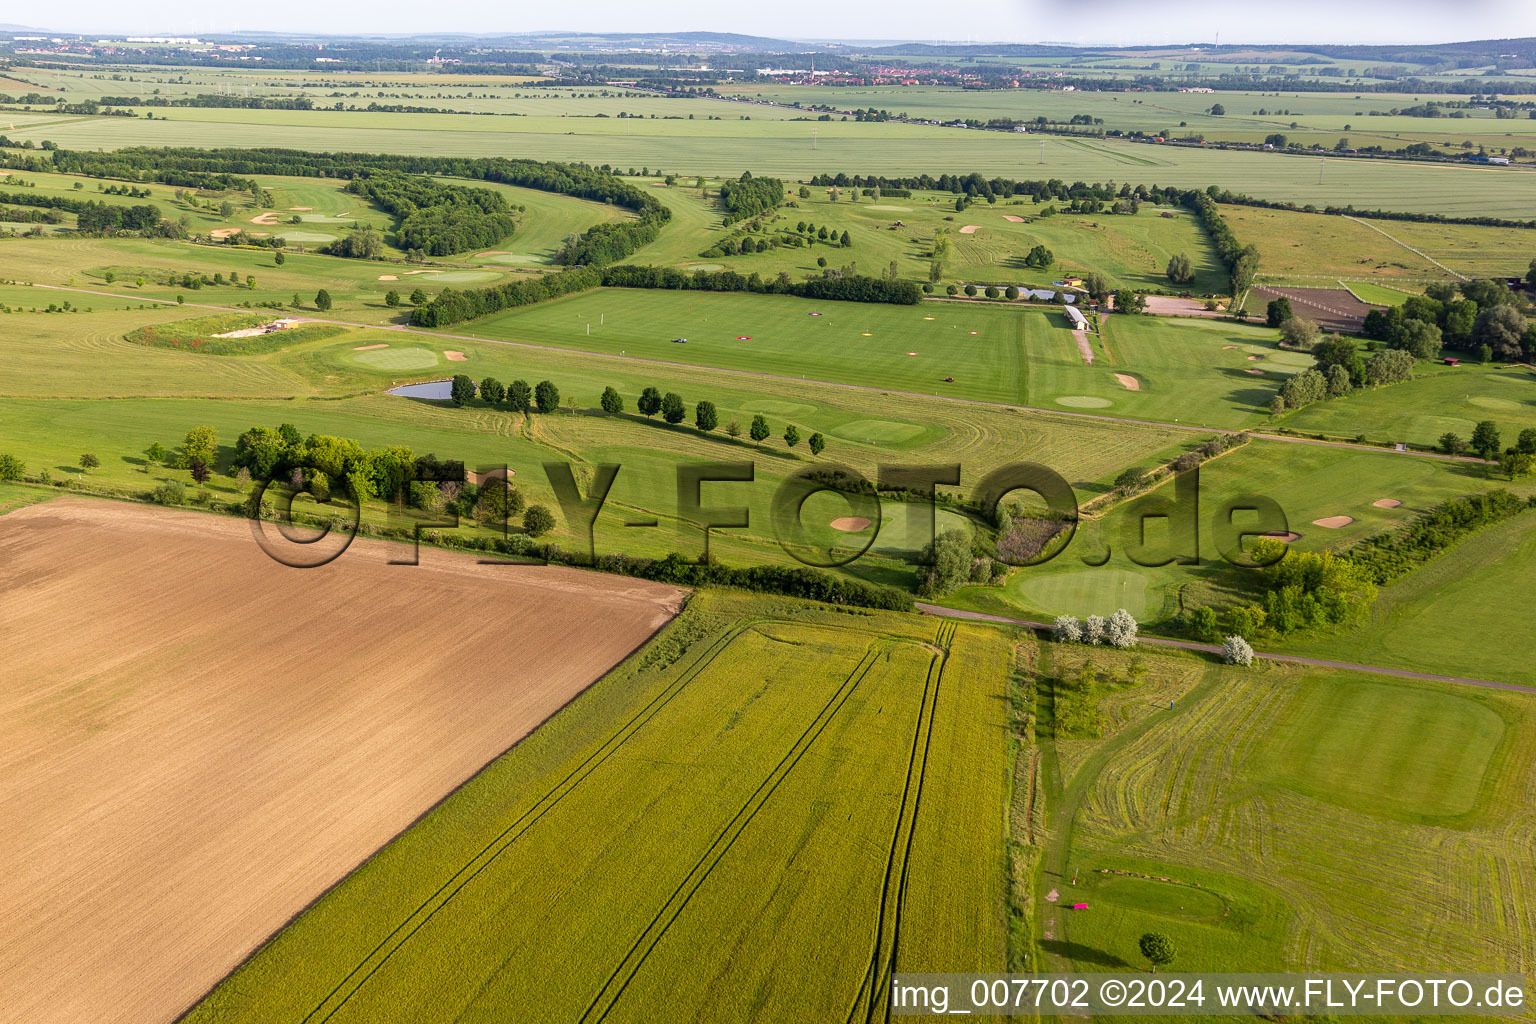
x=1236, y=651
x=1093, y=630
x=538, y=520
x=1120, y=630
x=1067, y=630
x=12, y=468
x=171, y=492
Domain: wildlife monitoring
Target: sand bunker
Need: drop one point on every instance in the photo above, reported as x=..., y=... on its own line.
x=409, y=272
x=1333, y=522
x=222, y=233
x=1284, y=538
x=1386, y=503
x=970, y=229
x=479, y=479
x=495, y=252
x=1226, y=347
x=370, y=348
x=388, y=277
x=1128, y=382
x=455, y=357
x=269, y=218
x=300, y=209
x=850, y=524
x=1254, y=359
x=1010, y=218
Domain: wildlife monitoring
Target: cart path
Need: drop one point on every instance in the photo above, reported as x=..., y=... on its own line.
x=1294, y=659
x=758, y=375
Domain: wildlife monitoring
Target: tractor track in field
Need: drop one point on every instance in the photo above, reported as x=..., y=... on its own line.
x=875, y=974
x=403, y=932
x=634, y=958
x=936, y=672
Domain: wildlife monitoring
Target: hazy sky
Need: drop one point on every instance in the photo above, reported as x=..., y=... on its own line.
x=1089, y=21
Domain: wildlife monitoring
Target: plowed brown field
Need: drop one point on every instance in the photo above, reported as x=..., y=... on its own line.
x=195, y=741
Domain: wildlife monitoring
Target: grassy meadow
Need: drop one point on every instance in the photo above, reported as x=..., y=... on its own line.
x=1016, y=354
x=1310, y=482
x=1421, y=410
x=1239, y=821
x=1129, y=250
x=1315, y=247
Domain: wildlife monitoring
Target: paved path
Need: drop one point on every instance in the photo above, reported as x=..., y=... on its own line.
x=956, y=613
x=1367, y=448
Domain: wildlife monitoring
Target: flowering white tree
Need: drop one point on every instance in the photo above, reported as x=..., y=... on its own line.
x=1093, y=629
x=1066, y=630
x=1120, y=630
x=1235, y=651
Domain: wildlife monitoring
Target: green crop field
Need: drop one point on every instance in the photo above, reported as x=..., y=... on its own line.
x=770, y=145
x=861, y=765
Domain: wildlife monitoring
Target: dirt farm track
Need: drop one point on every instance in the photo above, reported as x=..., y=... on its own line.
x=196, y=741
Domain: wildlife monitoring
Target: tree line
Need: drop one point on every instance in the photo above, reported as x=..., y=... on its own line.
x=453, y=306
x=1242, y=260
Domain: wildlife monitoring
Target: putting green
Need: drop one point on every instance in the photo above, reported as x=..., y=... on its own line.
x=771, y=408
x=1279, y=357
x=462, y=276
x=397, y=358
x=1166, y=898
x=1084, y=402
x=893, y=527
x=877, y=430
x=1084, y=591
x=1489, y=402
x=1380, y=748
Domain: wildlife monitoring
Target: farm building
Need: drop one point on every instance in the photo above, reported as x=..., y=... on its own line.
x=281, y=324
x=1079, y=322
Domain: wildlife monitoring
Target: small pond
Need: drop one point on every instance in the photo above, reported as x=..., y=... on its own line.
x=433, y=390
